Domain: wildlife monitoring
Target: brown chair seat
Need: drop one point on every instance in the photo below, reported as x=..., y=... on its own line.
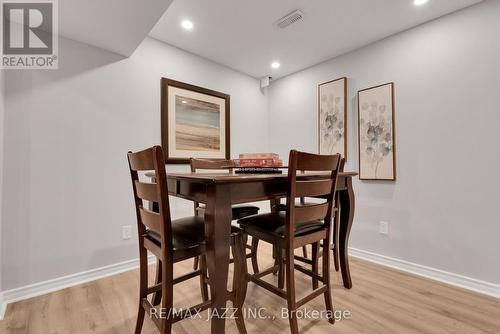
x=275, y=223
x=242, y=211
x=282, y=207
x=186, y=233
x=239, y=211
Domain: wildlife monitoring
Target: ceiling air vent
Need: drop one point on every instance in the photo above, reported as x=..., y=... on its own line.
x=289, y=19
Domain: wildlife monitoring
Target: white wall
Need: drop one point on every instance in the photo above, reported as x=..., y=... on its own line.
x=444, y=208
x=2, y=102
x=67, y=189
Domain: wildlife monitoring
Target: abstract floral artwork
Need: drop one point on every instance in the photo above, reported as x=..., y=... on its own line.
x=332, y=105
x=376, y=133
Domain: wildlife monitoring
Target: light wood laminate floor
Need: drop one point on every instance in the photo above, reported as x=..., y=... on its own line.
x=382, y=301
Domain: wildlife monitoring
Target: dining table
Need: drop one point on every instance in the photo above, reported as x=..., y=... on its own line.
x=220, y=191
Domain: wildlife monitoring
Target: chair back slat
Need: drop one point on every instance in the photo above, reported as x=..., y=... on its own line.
x=147, y=191
x=151, y=219
x=313, y=188
x=316, y=163
x=141, y=161
x=307, y=213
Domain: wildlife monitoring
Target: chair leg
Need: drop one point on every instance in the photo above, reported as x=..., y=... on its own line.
x=156, y=300
x=281, y=268
x=290, y=291
x=140, y=320
x=240, y=280
x=167, y=290
x=275, y=257
x=166, y=327
x=315, y=260
x=255, y=247
x=196, y=263
x=143, y=286
x=203, y=278
x=272, y=205
x=304, y=251
x=327, y=281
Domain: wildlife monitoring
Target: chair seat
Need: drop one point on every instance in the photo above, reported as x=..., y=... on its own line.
x=282, y=207
x=274, y=223
x=187, y=233
x=242, y=211
x=279, y=207
x=239, y=211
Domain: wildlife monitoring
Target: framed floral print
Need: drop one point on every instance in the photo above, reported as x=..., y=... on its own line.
x=194, y=122
x=376, y=131
x=332, y=117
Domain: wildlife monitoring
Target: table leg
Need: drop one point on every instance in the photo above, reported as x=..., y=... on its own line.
x=347, y=205
x=218, y=231
x=336, y=238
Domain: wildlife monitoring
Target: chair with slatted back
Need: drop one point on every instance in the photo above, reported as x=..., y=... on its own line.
x=300, y=225
x=172, y=241
x=282, y=207
x=238, y=211
x=316, y=254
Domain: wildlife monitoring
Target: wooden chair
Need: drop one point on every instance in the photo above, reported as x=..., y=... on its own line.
x=171, y=242
x=278, y=206
x=238, y=211
x=300, y=225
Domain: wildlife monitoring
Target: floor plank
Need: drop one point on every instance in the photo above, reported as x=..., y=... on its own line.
x=382, y=300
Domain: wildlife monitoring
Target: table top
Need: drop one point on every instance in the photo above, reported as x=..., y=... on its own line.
x=236, y=178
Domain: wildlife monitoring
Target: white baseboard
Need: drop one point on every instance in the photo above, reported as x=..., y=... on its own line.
x=465, y=282
x=37, y=289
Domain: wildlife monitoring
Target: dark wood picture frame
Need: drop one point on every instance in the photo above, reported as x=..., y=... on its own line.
x=344, y=79
x=393, y=132
x=165, y=84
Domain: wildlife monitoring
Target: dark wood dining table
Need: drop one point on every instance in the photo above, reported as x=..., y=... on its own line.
x=219, y=191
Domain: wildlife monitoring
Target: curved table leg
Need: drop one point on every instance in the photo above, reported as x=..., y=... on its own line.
x=347, y=204
x=218, y=233
x=336, y=232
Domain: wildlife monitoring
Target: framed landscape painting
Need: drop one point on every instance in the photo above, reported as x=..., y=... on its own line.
x=377, y=156
x=194, y=122
x=332, y=109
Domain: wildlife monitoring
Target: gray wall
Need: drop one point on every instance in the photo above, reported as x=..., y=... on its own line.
x=444, y=208
x=67, y=190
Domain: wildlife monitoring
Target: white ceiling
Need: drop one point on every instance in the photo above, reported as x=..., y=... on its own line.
x=115, y=25
x=241, y=33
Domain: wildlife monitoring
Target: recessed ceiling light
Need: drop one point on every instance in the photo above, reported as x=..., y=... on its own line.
x=186, y=24
x=420, y=2
x=275, y=64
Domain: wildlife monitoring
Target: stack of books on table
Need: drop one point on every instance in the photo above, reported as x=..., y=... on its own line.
x=259, y=163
